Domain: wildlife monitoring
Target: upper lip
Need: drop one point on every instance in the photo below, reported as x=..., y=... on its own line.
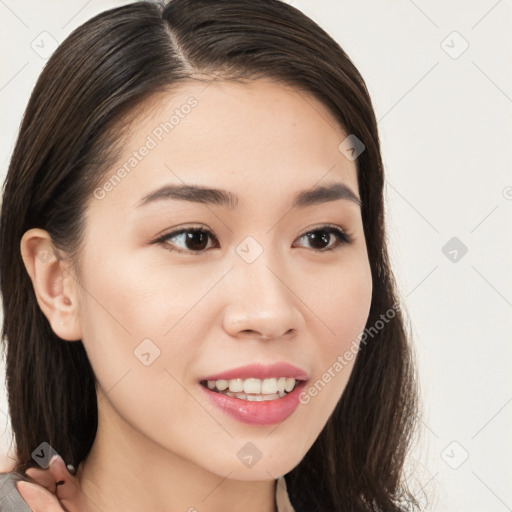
x=261, y=371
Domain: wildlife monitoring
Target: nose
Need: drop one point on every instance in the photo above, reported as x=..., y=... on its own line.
x=260, y=302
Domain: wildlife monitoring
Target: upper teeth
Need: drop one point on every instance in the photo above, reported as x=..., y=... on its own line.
x=258, y=386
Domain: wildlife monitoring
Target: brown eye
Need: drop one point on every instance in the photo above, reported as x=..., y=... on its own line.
x=322, y=236
x=188, y=240
x=195, y=240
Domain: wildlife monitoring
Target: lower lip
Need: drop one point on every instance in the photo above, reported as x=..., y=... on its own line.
x=267, y=412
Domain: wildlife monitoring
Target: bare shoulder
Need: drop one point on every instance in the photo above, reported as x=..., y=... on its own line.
x=10, y=498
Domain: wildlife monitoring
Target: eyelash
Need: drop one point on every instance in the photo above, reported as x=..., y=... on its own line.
x=343, y=238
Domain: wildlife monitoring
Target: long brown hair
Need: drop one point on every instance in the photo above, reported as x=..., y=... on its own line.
x=70, y=134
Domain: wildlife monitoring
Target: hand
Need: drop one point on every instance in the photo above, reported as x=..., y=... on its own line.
x=58, y=489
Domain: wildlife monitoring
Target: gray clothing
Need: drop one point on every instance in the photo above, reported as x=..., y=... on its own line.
x=10, y=498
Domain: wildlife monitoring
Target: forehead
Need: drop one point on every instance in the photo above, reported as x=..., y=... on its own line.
x=251, y=138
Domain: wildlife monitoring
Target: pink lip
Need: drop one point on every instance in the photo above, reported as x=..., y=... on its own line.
x=260, y=371
x=257, y=413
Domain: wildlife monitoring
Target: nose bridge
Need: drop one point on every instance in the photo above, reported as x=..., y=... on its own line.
x=260, y=301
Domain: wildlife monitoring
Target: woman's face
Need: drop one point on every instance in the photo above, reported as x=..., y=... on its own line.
x=160, y=311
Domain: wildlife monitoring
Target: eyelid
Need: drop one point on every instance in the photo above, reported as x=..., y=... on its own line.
x=321, y=226
x=180, y=229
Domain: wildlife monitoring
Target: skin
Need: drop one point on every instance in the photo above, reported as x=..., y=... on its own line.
x=48, y=496
x=161, y=445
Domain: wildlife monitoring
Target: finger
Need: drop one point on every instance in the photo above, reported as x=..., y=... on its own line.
x=48, y=478
x=43, y=477
x=59, y=471
x=68, y=484
x=56, y=474
x=38, y=498
x=69, y=489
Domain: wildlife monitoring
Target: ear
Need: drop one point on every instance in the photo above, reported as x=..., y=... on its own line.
x=55, y=287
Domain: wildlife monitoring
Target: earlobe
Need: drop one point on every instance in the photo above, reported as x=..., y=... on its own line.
x=55, y=288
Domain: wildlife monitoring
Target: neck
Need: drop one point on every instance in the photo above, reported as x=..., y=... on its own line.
x=127, y=471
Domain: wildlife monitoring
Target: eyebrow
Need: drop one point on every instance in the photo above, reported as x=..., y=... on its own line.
x=200, y=194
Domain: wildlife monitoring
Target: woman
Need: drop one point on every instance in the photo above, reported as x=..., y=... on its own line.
x=199, y=308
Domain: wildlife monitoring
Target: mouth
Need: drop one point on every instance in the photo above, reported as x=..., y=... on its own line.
x=271, y=405
x=252, y=389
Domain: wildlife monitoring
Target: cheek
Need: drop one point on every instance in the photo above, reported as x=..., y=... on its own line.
x=344, y=301
x=349, y=308
x=342, y=306
x=139, y=298
x=131, y=307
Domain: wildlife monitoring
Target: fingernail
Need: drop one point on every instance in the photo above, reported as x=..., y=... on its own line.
x=53, y=459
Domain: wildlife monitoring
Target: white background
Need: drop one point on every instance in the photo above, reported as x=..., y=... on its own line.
x=445, y=121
